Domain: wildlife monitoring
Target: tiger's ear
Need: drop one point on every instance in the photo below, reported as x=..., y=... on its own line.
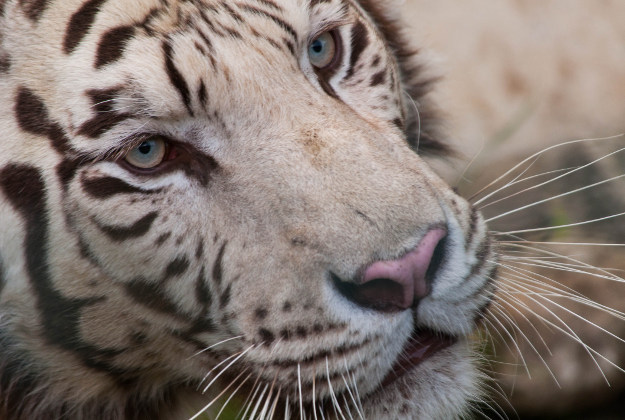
x=423, y=127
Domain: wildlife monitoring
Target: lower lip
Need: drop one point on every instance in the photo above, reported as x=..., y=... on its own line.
x=421, y=345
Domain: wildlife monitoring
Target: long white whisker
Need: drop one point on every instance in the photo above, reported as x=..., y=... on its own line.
x=299, y=386
x=568, y=258
x=207, y=406
x=569, y=172
x=261, y=396
x=215, y=345
x=568, y=331
x=532, y=157
x=332, y=394
x=546, y=200
x=565, y=243
x=225, y=404
x=227, y=367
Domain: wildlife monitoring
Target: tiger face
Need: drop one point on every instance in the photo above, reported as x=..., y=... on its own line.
x=228, y=196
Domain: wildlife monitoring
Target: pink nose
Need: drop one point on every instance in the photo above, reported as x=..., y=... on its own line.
x=398, y=284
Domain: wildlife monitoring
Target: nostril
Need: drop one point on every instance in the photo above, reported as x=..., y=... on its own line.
x=397, y=284
x=380, y=294
x=436, y=261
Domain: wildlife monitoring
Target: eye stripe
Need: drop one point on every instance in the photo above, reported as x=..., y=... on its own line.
x=359, y=41
x=107, y=187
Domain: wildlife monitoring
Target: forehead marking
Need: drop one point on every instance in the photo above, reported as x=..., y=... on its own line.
x=34, y=8
x=80, y=23
x=112, y=44
x=32, y=116
x=105, y=117
x=175, y=77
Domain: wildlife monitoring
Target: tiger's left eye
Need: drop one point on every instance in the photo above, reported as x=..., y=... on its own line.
x=149, y=154
x=322, y=50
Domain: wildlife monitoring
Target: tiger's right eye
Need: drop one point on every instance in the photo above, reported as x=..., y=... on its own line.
x=323, y=50
x=148, y=154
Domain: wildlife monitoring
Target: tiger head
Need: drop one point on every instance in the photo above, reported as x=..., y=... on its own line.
x=231, y=197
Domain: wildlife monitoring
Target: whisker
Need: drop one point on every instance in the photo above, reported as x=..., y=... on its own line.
x=299, y=385
x=569, y=172
x=335, y=402
x=214, y=345
x=207, y=406
x=546, y=200
x=228, y=367
x=533, y=157
x=565, y=243
x=225, y=404
x=567, y=330
x=610, y=276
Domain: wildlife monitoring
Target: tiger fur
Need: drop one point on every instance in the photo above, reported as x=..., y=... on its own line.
x=238, y=260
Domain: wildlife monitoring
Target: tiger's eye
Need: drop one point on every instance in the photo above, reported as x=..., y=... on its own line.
x=322, y=50
x=149, y=154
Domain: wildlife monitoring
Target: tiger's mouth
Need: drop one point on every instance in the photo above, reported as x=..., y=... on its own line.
x=421, y=345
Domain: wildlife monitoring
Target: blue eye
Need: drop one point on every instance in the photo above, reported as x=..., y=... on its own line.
x=322, y=50
x=149, y=154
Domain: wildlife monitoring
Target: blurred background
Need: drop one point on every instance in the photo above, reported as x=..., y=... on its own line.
x=519, y=76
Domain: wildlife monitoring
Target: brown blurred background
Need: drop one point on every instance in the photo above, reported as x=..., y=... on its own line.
x=519, y=76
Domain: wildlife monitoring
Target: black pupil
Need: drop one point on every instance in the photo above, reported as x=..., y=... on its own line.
x=145, y=148
x=317, y=46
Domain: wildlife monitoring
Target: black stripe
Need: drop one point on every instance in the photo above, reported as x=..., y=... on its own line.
x=176, y=267
x=281, y=23
x=34, y=8
x=32, y=116
x=112, y=44
x=5, y=63
x=137, y=229
x=175, y=77
x=202, y=292
x=472, y=227
x=107, y=187
x=270, y=4
x=80, y=23
x=217, y=265
x=360, y=41
x=60, y=316
x=224, y=299
x=151, y=295
x=106, y=117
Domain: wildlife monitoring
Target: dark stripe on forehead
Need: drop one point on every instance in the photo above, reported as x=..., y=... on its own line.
x=175, y=77
x=112, y=44
x=32, y=116
x=106, y=117
x=360, y=41
x=316, y=2
x=31, y=113
x=80, y=23
x=33, y=8
x=137, y=229
x=270, y=4
x=281, y=23
x=107, y=187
